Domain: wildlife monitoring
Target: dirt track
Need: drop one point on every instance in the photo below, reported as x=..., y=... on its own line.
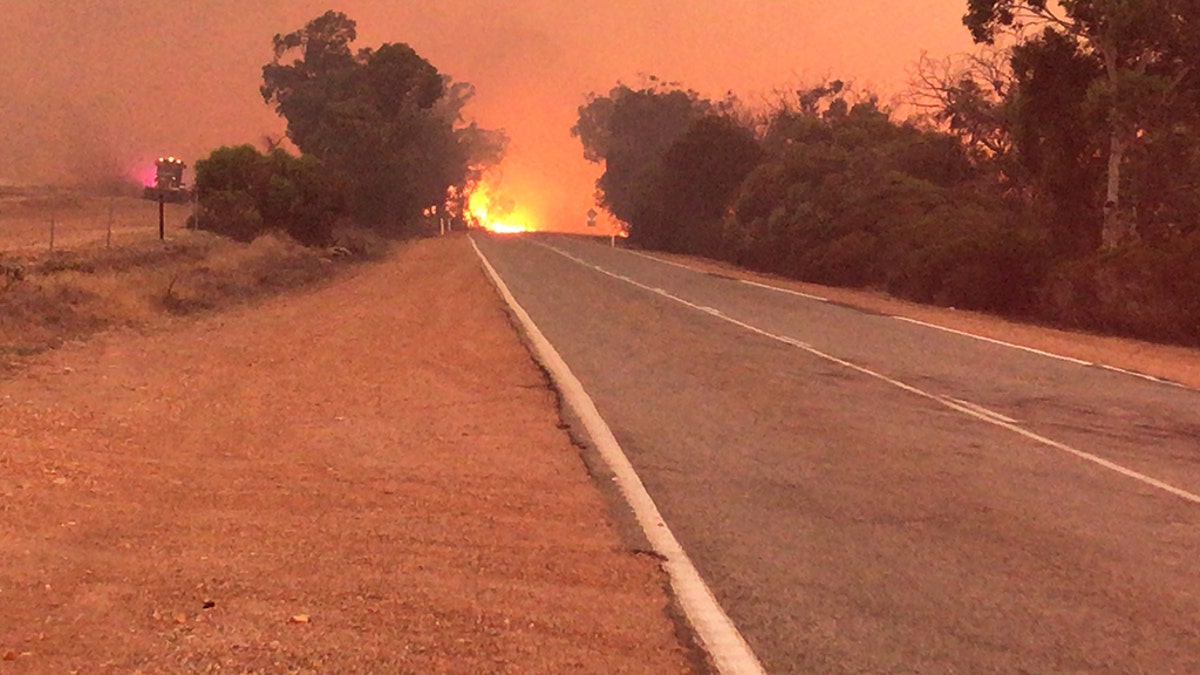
x=368, y=477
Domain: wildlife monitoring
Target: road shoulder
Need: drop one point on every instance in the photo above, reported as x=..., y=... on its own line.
x=369, y=476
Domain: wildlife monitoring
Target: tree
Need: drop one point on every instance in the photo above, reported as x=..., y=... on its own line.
x=303, y=89
x=969, y=95
x=1146, y=52
x=1059, y=138
x=483, y=148
x=384, y=120
x=702, y=171
x=630, y=131
x=845, y=195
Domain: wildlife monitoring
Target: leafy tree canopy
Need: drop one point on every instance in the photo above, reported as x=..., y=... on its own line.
x=1138, y=68
x=383, y=119
x=244, y=193
x=629, y=131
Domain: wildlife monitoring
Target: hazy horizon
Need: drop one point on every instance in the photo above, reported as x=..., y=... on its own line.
x=107, y=87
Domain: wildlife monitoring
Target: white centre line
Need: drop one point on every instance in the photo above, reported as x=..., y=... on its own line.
x=672, y=263
x=968, y=409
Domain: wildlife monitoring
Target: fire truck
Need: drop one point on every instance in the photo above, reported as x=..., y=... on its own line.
x=168, y=182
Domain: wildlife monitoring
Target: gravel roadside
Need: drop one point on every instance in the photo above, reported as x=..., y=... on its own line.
x=368, y=477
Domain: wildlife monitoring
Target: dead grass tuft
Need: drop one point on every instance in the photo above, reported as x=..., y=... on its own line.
x=68, y=295
x=270, y=264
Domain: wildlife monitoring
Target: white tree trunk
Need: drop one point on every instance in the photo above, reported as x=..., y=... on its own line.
x=1115, y=226
x=1114, y=229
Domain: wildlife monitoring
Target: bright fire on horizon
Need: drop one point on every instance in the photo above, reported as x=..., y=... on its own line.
x=144, y=174
x=495, y=213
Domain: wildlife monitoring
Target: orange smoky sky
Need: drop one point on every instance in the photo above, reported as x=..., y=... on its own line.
x=107, y=85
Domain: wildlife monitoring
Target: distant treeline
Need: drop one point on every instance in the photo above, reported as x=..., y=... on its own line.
x=380, y=132
x=1057, y=179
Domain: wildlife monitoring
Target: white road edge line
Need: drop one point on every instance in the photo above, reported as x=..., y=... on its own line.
x=934, y=326
x=788, y=291
x=994, y=341
x=664, y=261
x=969, y=411
x=1144, y=376
x=741, y=281
x=715, y=630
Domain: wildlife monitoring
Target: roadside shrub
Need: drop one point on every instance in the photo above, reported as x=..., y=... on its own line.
x=125, y=257
x=231, y=214
x=854, y=223
x=969, y=253
x=244, y=194
x=850, y=260
x=1146, y=291
x=271, y=263
x=66, y=261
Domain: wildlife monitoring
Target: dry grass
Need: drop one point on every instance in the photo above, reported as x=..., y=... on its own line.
x=79, y=220
x=71, y=293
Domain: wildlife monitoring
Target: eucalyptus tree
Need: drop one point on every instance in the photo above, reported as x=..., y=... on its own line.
x=384, y=119
x=630, y=132
x=1144, y=81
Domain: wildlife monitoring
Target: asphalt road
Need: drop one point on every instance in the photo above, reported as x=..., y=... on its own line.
x=864, y=494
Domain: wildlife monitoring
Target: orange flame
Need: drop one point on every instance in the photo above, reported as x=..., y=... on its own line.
x=491, y=211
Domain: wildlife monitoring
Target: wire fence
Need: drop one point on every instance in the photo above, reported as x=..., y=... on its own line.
x=34, y=222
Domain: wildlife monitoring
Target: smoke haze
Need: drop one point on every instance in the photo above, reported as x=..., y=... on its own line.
x=95, y=88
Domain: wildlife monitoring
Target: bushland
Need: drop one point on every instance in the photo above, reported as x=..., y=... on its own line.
x=999, y=198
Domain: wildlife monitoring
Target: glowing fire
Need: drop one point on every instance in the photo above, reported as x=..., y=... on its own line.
x=491, y=211
x=145, y=174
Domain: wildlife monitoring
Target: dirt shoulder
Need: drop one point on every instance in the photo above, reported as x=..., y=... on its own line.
x=365, y=477
x=1177, y=364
